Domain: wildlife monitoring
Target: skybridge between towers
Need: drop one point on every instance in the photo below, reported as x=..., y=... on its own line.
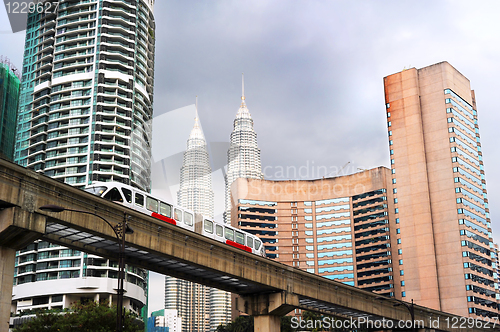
x=267, y=289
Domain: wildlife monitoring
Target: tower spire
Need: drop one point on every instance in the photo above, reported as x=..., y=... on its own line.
x=242, y=86
x=196, y=131
x=243, y=104
x=196, y=117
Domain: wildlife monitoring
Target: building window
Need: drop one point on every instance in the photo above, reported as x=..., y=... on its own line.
x=395, y=200
x=402, y=282
x=390, y=132
x=388, y=114
x=393, y=171
x=400, y=251
x=390, y=142
x=402, y=272
x=392, y=161
x=389, y=124
x=403, y=294
x=399, y=241
x=397, y=220
x=398, y=230
x=392, y=152
x=396, y=210
x=393, y=181
x=400, y=262
x=395, y=191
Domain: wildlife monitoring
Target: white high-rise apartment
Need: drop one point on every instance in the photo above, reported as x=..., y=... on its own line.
x=243, y=155
x=84, y=115
x=87, y=92
x=191, y=300
x=170, y=320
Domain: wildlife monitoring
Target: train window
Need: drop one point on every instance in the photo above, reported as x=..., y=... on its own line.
x=209, y=226
x=177, y=214
x=249, y=242
x=114, y=195
x=229, y=233
x=165, y=209
x=257, y=244
x=240, y=238
x=218, y=230
x=96, y=190
x=188, y=219
x=128, y=194
x=152, y=204
x=139, y=199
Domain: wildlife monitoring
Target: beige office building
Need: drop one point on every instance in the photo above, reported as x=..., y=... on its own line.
x=341, y=228
x=445, y=245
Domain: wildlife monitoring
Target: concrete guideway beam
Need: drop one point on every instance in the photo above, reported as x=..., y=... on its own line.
x=267, y=309
x=19, y=227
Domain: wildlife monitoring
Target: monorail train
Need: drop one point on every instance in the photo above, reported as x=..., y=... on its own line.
x=157, y=208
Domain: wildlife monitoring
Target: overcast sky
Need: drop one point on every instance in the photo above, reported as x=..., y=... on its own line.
x=313, y=77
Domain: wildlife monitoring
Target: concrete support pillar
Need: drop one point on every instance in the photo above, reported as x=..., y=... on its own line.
x=267, y=323
x=267, y=309
x=7, y=259
x=18, y=228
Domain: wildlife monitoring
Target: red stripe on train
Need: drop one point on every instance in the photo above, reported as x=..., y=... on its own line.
x=239, y=246
x=163, y=218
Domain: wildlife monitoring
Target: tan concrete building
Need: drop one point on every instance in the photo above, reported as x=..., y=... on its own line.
x=342, y=228
x=444, y=240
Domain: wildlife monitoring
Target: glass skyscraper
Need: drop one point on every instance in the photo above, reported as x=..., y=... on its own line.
x=191, y=300
x=84, y=115
x=87, y=92
x=243, y=155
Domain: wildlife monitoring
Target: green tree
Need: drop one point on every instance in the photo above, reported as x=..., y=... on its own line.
x=82, y=317
x=240, y=324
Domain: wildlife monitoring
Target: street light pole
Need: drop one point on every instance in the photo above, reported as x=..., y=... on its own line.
x=409, y=307
x=120, y=230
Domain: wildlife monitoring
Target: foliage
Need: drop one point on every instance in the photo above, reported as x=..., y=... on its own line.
x=240, y=324
x=286, y=324
x=82, y=317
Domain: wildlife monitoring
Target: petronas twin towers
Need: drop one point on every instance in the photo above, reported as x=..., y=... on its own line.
x=203, y=308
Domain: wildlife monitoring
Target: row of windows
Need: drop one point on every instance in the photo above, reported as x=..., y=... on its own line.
x=458, y=115
x=478, y=258
x=330, y=246
x=369, y=194
x=468, y=185
x=329, y=231
x=261, y=203
x=473, y=216
x=474, y=236
x=333, y=201
x=471, y=205
x=463, y=102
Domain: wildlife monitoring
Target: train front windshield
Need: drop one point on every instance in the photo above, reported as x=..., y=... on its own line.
x=98, y=190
